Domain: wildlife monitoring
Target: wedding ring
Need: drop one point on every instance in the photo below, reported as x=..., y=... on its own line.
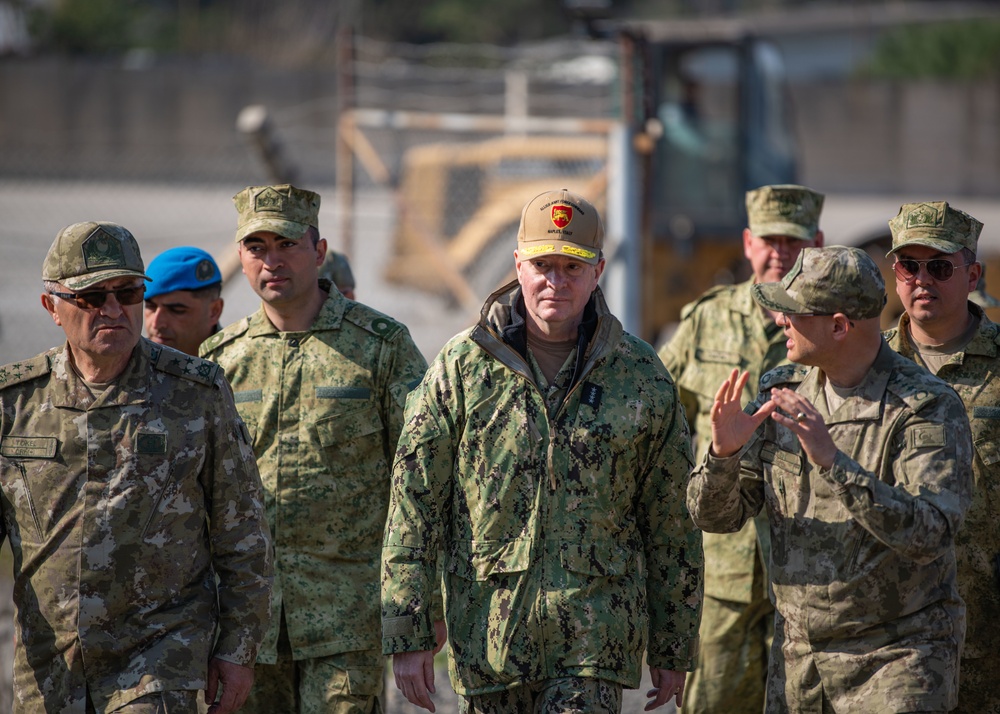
x=800, y=417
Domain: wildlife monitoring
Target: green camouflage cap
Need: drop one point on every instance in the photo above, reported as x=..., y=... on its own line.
x=825, y=281
x=936, y=225
x=337, y=269
x=284, y=209
x=560, y=223
x=784, y=210
x=84, y=254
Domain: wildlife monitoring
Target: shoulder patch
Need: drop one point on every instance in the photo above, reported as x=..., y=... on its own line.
x=179, y=364
x=23, y=371
x=709, y=294
x=890, y=334
x=227, y=335
x=372, y=320
x=785, y=374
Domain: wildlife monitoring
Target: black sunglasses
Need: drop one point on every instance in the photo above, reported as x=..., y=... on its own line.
x=93, y=299
x=907, y=269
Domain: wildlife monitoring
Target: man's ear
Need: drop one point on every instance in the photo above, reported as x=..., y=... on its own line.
x=49, y=303
x=841, y=325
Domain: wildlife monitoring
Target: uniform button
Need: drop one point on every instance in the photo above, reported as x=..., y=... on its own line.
x=294, y=342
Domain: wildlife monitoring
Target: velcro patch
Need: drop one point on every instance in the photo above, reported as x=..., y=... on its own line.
x=927, y=436
x=343, y=392
x=150, y=443
x=986, y=412
x=249, y=395
x=29, y=447
x=397, y=626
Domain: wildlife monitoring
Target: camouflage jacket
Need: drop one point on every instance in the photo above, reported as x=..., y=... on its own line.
x=862, y=554
x=121, y=513
x=975, y=375
x=723, y=330
x=567, y=544
x=325, y=409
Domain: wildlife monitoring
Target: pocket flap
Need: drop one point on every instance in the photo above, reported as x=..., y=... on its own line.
x=478, y=560
x=600, y=559
x=988, y=450
x=345, y=427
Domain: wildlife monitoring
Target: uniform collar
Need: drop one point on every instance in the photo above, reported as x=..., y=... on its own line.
x=330, y=316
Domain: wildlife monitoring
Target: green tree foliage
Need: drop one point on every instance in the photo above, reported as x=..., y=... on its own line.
x=954, y=50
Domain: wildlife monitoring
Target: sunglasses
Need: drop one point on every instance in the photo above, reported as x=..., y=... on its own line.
x=93, y=299
x=941, y=270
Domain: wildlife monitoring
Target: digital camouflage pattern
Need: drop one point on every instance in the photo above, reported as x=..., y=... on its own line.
x=862, y=554
x=563, y=695
x=325, y=409
x=284, y=209
x=973, y=374
x=825, y=281
x=721, y=331
x=121, y=513
x=85, y=254
x=784, y=210
x=936, y=225
x=567, y=544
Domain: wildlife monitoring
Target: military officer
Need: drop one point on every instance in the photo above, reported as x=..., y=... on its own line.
x=183, y=301
x=862, y=460
x=131, y=499
x=934, y=246
x=722, y=330
x=545, y=455
x=321, y=382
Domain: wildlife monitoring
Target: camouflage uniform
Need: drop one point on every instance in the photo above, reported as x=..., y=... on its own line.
x=122, y=512
x=973, y=374
x=725, y=329
x=565, y=541
x=325, y=408
x=862, y=554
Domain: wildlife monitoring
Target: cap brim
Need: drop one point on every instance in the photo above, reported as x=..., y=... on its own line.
x=773, y=296
x=777, y=228
x=537, y=249
x=284, y=228
x=82, y=282
x=938, y=244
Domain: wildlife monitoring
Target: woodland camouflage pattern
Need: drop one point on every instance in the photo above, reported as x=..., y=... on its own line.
x=121, y=513
x=325, y=409
x=973, y=374
x=723, y=330
x=862, y=554
x=564, y=533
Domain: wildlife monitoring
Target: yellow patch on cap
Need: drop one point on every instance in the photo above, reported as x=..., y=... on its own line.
x=536, y=249
x=579, y=252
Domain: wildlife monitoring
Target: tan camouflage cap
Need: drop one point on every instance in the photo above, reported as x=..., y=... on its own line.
x=825, y=281
x=936, y=225
x=784, y=210
x=84, y=254
x=283, y=209
x=560, y=223
x=336, y=268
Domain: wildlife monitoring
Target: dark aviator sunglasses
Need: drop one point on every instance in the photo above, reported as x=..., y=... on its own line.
x=940, y=269
x=93, y=299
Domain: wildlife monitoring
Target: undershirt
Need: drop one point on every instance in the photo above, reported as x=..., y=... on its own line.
x=934, y=356
x=550, y=355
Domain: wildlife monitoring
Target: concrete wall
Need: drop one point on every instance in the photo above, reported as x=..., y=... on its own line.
x=176, y=121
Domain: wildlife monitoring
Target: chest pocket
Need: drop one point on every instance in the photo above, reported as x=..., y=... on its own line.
x=249, y=404
x=985, y=425
x=351, y=436
x=708, y=370
x=783, y=476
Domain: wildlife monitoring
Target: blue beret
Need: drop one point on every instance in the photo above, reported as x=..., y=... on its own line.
x=184, y=268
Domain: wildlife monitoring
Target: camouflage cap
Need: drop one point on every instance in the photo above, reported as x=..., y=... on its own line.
x=825, y=281
x=560, y=223
x=337, y=269
x=84, y=254
x=285, y=210
x=784, y=210
x=936, y=225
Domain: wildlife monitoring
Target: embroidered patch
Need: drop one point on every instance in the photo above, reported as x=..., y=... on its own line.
x=591, y=395
x=150, y=443
x=29, y=447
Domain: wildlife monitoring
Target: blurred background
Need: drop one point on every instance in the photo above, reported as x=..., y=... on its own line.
x=425, y=126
